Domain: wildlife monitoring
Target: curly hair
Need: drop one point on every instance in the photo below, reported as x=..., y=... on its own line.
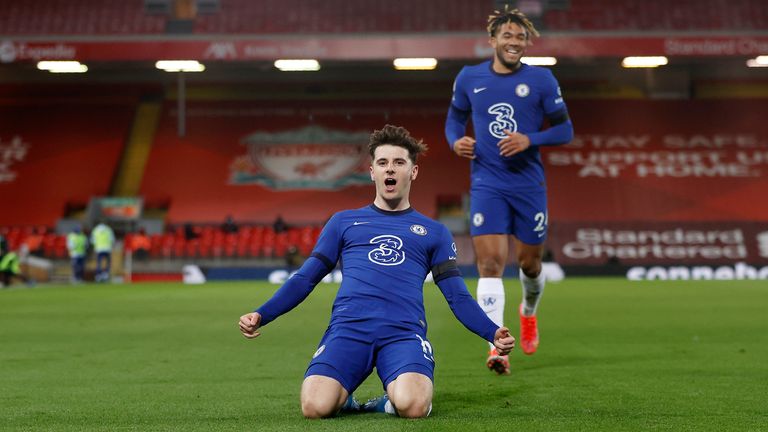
x=397, y=136
x=510, y=16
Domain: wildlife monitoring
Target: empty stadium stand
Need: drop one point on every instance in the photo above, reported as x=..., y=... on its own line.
x=210, y=242
x=340, y=16
x=126, y=17
x=63, y=152
x=195, y=173
x=38, y=240
x=371, y=16
x=659, y=15
x=81, y=17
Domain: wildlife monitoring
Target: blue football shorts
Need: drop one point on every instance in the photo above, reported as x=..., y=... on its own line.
x=348, y=353
x=520, y=213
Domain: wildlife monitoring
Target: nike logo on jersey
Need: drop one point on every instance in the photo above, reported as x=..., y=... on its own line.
x=478, y=90
x=359, y=223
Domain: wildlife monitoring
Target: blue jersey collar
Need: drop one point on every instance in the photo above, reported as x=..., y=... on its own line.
x=390, y=213
x=518, y=70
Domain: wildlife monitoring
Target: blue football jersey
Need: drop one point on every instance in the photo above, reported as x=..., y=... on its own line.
x=518, y=102
x=385, y=257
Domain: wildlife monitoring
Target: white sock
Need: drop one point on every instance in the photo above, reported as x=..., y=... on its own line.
x=389, y=408
x=490, y=297
x=532, y=291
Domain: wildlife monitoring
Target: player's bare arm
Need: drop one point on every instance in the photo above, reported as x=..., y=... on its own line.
x=465, y=147
x=249, y=323
x=513, y=144
x=503, y=341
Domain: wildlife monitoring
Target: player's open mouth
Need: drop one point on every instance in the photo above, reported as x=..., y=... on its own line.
x=389, y=184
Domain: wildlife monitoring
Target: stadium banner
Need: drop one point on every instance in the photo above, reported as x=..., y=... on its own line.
x=115, y=208
x=635, y=160
x=13, y=150
x=376, y=47
x=659, y=243
x=303, y=160
x=673, y=160
x=311, y=157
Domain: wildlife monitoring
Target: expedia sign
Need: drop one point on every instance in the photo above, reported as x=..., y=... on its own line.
x=309, y=158
x=660, y=243
x=16, y=51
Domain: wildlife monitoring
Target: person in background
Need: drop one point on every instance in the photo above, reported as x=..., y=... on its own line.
x=279, y=225
x=189, y=231
x=34, y=241
x=9, y=265
x=229, y=226
x=77, y=245
x=103, y=240
x=293, y=258
x=140, y=245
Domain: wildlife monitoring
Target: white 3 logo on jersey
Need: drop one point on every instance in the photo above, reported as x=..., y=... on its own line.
x=504, y=121
x=388, y=251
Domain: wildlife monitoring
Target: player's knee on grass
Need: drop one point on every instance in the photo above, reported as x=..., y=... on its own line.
x=321, y=397
x=316, y=409
x=411, y=395
x=413, y=407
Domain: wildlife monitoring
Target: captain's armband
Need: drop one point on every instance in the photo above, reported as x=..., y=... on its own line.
x=445, y=270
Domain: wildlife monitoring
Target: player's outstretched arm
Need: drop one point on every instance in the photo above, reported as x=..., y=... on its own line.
x=249, y=324
x=294, y=290
x=503, y=341
x=465, y=308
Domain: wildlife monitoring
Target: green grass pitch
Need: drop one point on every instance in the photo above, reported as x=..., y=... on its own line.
x=614, y=355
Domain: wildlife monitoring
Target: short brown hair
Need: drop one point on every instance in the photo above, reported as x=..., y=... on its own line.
x=397, y=136
x=510, y=16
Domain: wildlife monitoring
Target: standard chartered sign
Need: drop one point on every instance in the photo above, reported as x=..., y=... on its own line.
x=674, y=244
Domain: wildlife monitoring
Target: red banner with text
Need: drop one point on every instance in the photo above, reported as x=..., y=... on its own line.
x=662, y=161
x=672, y=182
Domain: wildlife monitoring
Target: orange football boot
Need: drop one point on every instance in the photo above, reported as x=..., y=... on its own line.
x=498, y=363
x=529, y=333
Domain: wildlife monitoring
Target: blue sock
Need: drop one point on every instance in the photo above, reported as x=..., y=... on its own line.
x=350, y=406
x=379, y=404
